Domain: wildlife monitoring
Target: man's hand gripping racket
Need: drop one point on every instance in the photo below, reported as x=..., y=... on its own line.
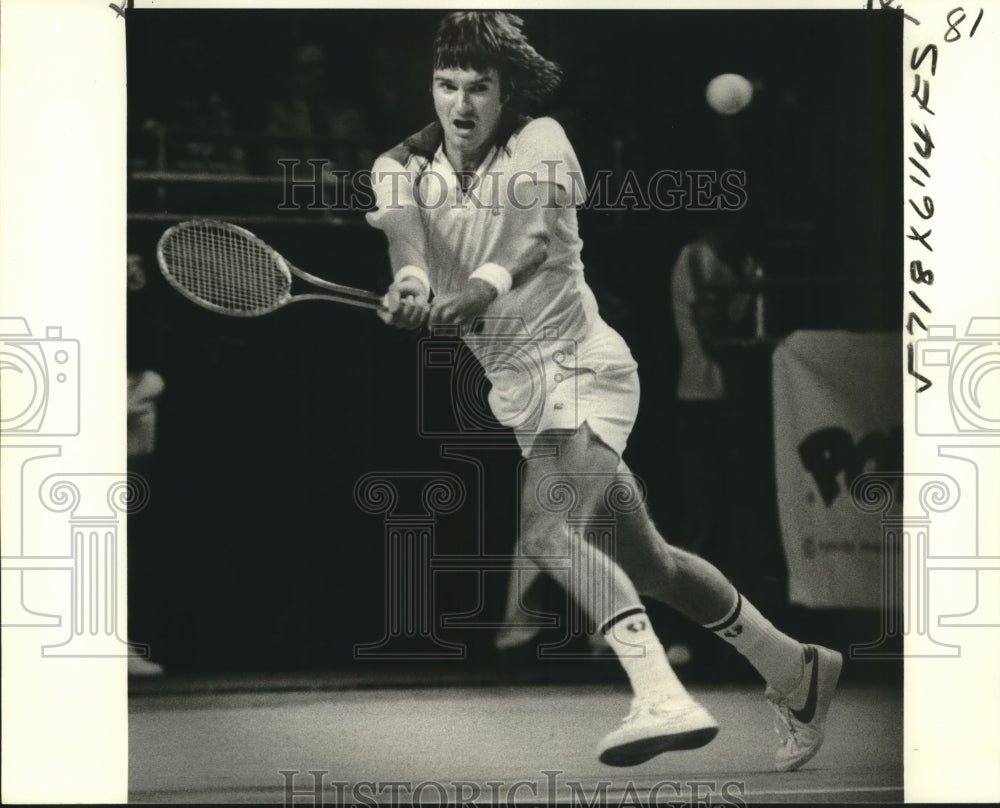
x=229, y=270
x=406, y=304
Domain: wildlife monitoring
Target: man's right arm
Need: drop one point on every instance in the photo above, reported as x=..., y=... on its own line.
x=399, y=217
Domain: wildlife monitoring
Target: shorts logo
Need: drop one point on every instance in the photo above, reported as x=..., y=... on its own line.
x=636, y=626
x=733, y=632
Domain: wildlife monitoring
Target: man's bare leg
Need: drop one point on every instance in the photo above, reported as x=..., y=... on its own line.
x=664, y=716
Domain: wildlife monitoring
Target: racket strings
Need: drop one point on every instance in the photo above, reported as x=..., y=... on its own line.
x=226, y=268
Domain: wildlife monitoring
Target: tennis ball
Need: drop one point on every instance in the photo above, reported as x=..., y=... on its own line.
x=728, y=93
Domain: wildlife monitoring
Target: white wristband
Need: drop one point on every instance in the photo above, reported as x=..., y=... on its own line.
x=496, y=276
x=412, y=271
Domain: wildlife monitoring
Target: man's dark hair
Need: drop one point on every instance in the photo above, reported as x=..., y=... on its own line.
x=479, y=40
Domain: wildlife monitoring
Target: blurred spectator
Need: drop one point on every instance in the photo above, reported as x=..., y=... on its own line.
x=206, y=136
x=201, y=117
x=303, y=121
x=707, y=309
x=144, y=387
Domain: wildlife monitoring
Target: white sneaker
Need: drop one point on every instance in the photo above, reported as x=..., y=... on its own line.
x=654, y=727
x=801, y=731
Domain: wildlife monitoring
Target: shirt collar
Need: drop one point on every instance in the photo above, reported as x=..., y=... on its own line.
x=440, y=159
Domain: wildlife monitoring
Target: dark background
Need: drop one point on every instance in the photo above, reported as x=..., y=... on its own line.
x=253, y=553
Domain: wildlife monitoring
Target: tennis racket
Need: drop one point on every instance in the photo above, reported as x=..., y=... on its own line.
x=229, y=270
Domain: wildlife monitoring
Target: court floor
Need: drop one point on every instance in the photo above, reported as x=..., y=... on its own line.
x=511, y=744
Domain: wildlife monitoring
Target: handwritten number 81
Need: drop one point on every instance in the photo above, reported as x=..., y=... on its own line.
x=955, y=18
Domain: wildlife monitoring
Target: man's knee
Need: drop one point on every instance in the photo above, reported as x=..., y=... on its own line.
x=572, y=483
x=542, y=528
x=546, y=510
x=544, y=547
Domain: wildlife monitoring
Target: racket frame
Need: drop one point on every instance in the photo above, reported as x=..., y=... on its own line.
x=336, y=293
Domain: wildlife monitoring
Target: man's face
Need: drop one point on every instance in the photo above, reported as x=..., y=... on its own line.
x=468, y=104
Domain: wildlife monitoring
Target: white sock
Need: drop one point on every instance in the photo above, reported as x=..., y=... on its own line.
x=630, y=635
x=776, y=656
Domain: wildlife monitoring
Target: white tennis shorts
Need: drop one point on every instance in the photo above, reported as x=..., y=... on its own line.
x=560, y=384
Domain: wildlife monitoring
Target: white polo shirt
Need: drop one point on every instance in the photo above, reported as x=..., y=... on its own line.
x=546, y=310
x=460, y=231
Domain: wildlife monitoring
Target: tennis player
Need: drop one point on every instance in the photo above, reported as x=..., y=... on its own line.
x=479, y=209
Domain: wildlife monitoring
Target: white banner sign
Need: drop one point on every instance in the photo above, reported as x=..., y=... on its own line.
x=838, y=413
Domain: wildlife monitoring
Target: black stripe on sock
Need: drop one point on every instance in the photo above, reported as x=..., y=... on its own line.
x=732, y=618
x=612, y=621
